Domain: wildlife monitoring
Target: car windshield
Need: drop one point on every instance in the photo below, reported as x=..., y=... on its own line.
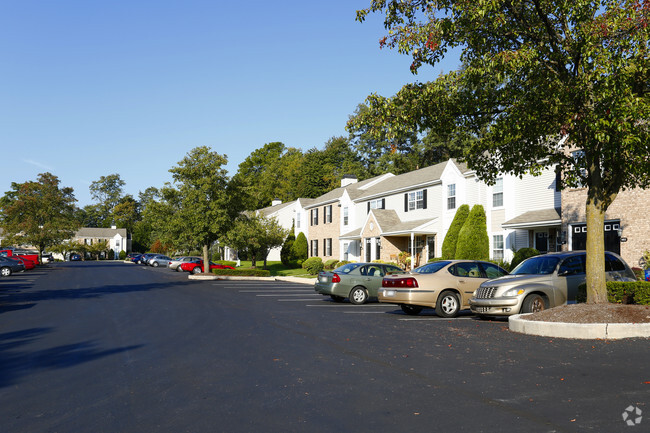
x=346, y=269
x=431, y=268
x=537, y=265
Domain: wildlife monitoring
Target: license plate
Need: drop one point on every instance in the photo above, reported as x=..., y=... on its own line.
x=323, y=279
x=389, y=293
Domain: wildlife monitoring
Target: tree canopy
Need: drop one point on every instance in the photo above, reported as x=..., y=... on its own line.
x=541, y=83
x=38, y=213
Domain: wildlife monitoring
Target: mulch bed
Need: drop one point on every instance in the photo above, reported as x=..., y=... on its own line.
x=593, y=313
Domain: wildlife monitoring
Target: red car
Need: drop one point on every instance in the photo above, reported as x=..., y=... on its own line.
x=29, y=264
x=196, y=267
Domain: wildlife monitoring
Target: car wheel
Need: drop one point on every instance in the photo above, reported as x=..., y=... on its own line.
x=5, y=272
x=411, y=310
x=155, y=264
x=533, y=304
x=337, y=298
x=197, y=270
x=358, y=295
x=448, y=304
x=178, y=269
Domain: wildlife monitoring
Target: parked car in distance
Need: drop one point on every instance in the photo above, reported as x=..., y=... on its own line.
x=47, y=258
x=175, y=262
x=356, y=281
x=159, y=260
x=75, y=257
x=542, y=282
x=144, y=259
x=445, y=285
x=134, y=258
x=28, y=263
x=196, y=267
x=8, y=266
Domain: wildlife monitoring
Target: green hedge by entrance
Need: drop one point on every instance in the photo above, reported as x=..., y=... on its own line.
x=243, y=272
x=621, y=292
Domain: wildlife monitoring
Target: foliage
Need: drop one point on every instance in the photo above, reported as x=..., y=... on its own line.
x=255, y=234
x=330, y=264
x=621, y=292
x=313, y=265
x=521, y=255
x=243, y=272
x=225, y=262
x=646, y=260
x=122, y=255
x=300, y=248
x=38, y=213
x=451, y=238
x=286, y=256
x=503, y=264
x=107, y=191
x=473, y=240
x=539, y=80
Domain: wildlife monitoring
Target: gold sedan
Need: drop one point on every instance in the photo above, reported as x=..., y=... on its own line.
x=445, y=285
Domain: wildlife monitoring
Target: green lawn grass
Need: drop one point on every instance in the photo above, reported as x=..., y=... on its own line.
x=277, y=269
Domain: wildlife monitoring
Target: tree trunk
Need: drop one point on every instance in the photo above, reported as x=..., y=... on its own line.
x=206, y=259
x=596, y=288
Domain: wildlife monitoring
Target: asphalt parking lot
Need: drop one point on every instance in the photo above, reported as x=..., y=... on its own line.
x=110, y=347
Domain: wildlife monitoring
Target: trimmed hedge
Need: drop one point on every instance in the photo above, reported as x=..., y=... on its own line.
x=522, y=254
x=226, y=263
x=621, y=292
x=473, y=241
x=331, y=264
x=451, y=238
x=313, y=265
x=243, y=272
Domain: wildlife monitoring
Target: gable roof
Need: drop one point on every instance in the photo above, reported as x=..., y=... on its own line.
x=534, y=218
x=99, y=232
x=412, y=179
x=271, y=209
x=354, y=190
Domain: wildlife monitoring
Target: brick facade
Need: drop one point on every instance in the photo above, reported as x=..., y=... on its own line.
x=631, y=207
x=325, y=230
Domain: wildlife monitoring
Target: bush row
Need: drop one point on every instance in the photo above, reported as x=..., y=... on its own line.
x=243, y=272
x=622, y=292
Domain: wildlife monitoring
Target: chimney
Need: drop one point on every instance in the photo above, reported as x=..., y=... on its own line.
x=114, y=227
x=348, y=179
x=276, y=201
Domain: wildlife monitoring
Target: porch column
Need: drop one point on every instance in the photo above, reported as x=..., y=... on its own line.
x=412, y=250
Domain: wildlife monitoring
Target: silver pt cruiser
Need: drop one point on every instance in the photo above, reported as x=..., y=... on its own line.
x=542, y=282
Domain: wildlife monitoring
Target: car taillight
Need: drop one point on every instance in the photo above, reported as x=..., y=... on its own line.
x=399, y=282
x=336, y=278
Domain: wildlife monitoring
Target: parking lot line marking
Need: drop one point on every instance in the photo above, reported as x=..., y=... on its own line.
x=364, y=312
x=436, y=318
x=348, y=305
x=277, y=291
x=286, y=294
x=295, y=300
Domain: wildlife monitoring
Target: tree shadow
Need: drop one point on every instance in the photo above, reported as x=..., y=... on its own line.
x=15, y=364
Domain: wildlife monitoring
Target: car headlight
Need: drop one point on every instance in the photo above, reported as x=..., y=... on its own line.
x=513, y=292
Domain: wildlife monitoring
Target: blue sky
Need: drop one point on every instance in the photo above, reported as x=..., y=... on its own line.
x=90, y=88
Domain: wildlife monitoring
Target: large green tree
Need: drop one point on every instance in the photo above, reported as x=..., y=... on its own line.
x=204, y=206
x=542, y=83
x=107, y=191
x=255, y=234
x=38, y=213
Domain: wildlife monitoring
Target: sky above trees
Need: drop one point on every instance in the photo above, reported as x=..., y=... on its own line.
x=93, y=88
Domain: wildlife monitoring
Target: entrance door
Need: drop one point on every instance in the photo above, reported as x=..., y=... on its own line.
x=541, y=242
x=431, y=247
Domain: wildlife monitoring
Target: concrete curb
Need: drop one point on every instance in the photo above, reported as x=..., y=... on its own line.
x=586, y=331
x=308, y=281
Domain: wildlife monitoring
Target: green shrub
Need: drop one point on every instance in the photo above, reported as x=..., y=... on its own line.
x=503, y=264
x=313, y=265
x=341, y=263
x=435, y=259
x=521, y=255
x=451, y=238
x=226, y=263
x=473, y=240
x=300, y=248
x=243, y=272
x=621, y=292
x=122, y=255
x=286, y=255
x=331, y=264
